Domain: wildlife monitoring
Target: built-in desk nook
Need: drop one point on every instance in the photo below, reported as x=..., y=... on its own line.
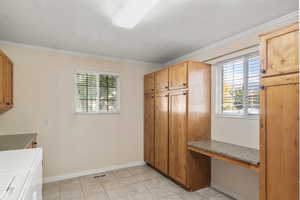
x=234, y=154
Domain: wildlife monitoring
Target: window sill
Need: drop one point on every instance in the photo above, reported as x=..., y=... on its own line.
x=98, y=113
x=248, y=117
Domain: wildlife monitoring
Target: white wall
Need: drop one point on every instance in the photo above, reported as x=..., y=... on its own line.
x=241, y=183
x=44, y=103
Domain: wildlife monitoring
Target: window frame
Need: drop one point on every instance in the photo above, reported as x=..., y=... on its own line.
x=219, y=88
x=97, y=73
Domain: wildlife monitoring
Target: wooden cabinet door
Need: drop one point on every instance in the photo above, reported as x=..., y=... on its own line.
x=162, y=132
x=279, y=142
x=162, y=80
x=178, y=76
x=178, y=137
x=149, y=83
x=6, y=83
x=2, y=82
x=279, y=51
x=149, y=134
x=9, y=83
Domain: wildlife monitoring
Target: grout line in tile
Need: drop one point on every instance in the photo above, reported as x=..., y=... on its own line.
x=59, y=190
x=81, y=188
x=107, y=194
x=104, y=190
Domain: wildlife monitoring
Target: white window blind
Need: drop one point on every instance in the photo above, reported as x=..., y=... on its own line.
x=239, y=86
x=97, y=92
x=253, y=85
x=233, y=87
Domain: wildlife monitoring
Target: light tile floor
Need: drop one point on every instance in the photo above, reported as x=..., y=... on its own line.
x=135, y=183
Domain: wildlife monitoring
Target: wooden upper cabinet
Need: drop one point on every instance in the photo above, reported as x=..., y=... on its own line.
x=178, y=76
x=149, y=83
x=6, y=83
x=199, y=94
x=279, y=51
x=162, y=80
x=162, y=132
x=279, y=142
x=2, y=82
x=9, y=83
x=149, y=134
x=178, y=136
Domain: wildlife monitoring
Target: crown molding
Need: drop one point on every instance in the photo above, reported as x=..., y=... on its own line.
x=80, y=54
x=273, y=24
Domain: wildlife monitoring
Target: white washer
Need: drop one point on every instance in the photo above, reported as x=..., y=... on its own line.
x=21, y=174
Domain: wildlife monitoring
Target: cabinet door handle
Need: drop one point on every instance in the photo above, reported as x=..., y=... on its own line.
x=166, y=87
x=261, y=125
x=7, y=103
x=183, y=84
x=262, y=87
x=263, y=71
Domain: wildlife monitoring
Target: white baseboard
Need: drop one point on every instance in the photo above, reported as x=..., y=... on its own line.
x=93, y=171
x=226, y=191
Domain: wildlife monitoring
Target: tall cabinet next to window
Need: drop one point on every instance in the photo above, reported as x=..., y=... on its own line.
x=279, y=119
x=182, y=114
x=6, y=83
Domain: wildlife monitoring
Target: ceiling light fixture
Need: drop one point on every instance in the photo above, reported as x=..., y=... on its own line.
x=133, y=12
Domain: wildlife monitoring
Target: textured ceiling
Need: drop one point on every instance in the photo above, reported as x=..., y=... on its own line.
x=173, y=28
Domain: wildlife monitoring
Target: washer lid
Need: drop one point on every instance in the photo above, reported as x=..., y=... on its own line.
x=18, y=160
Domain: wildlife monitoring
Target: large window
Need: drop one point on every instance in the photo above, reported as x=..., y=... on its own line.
x=238, y=83
x=97, y=92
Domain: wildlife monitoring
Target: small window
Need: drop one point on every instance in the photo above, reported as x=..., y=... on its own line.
x=97, y=92
x=238, y=82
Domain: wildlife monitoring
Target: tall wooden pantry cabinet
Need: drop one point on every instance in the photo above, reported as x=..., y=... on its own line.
x=161, y=121
x=161, y=132
x=279, y=118
x=6, y=83
x=182, y=114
